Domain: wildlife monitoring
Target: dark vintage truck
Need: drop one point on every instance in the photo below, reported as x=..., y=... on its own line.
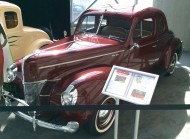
x=73, y=71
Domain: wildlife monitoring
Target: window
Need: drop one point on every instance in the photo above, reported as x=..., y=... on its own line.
x=144, y=28
x=11, y=19
x=105, y=26
x=160, y=23
x=87, y=25
x=115, y=26
x=89, y=22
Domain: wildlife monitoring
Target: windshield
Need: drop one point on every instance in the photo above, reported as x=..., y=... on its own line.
x=113, y=27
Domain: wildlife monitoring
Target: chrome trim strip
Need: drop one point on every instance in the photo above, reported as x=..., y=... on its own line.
x=44, y=95
x=43, y=67
x=149, y=43
x=41, y=81
x=18, y=100
x=156, y=41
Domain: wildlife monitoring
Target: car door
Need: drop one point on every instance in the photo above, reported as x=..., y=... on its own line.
x=145, y=55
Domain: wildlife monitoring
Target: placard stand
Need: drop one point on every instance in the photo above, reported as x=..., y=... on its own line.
x=136, y=124
x=116, y=120
x=132, y=86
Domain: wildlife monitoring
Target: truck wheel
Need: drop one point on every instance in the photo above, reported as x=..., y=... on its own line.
x=102, y=119
x=172, y=65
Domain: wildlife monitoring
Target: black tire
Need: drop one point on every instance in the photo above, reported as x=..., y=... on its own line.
x=102, y=120
x=172, y=65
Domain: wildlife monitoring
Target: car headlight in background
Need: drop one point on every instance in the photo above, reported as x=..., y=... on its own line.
x=69, y=96
x=11, y=72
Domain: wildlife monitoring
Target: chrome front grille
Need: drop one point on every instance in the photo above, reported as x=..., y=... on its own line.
x=32, y=92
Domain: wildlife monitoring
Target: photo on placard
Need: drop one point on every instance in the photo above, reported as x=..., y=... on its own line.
x=120, y=79
x=138, y=94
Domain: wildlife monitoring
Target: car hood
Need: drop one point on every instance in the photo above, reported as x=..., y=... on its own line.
x=62, y=53
x=77, y=43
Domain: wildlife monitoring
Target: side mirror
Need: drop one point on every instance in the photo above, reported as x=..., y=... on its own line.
x=134, y=46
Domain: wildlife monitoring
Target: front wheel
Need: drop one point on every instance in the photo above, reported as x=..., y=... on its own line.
x=172, y=65
x=102, y=120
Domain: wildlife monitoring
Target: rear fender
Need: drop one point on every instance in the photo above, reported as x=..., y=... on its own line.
x=175, y=46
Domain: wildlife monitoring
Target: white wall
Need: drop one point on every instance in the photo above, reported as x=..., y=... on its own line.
x=178, y=16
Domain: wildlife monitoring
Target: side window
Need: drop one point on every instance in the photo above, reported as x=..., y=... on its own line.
x=145, y=28
x=11, y=19
x=160, y=25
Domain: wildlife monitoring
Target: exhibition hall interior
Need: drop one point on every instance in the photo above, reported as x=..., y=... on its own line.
x=93, y=69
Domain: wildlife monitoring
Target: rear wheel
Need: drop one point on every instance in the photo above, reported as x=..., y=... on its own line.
x=172, y=65
x=102, y=119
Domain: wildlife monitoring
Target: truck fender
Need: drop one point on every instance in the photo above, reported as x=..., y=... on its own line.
x=38, y=44
x=89, y=84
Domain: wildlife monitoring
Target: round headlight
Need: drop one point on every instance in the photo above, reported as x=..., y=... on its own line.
x=11, y=72
x=69, y=96
x=66, y=99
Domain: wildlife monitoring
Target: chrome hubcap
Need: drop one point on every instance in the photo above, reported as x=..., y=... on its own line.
x=173, y=63
x=103, y=113
x=105, y=118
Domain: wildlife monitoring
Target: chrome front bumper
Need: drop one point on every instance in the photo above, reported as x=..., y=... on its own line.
x=71, y=127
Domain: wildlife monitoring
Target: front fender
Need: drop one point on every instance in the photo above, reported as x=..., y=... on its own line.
x=84, y=81
x=89, y=84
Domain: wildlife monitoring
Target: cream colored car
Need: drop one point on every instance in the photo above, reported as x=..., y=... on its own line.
x=22, y=40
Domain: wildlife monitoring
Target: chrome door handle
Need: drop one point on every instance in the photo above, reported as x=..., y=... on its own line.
x=154, y=46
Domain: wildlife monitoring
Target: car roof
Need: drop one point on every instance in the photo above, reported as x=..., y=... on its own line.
x=4, y=5
x=130, y=12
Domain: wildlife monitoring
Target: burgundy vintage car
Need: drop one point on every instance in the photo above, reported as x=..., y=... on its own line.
x=73, y=71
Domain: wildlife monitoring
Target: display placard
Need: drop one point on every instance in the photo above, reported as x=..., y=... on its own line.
x=130, y=85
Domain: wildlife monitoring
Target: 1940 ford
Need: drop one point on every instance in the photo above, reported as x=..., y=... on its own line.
x=72, y=71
